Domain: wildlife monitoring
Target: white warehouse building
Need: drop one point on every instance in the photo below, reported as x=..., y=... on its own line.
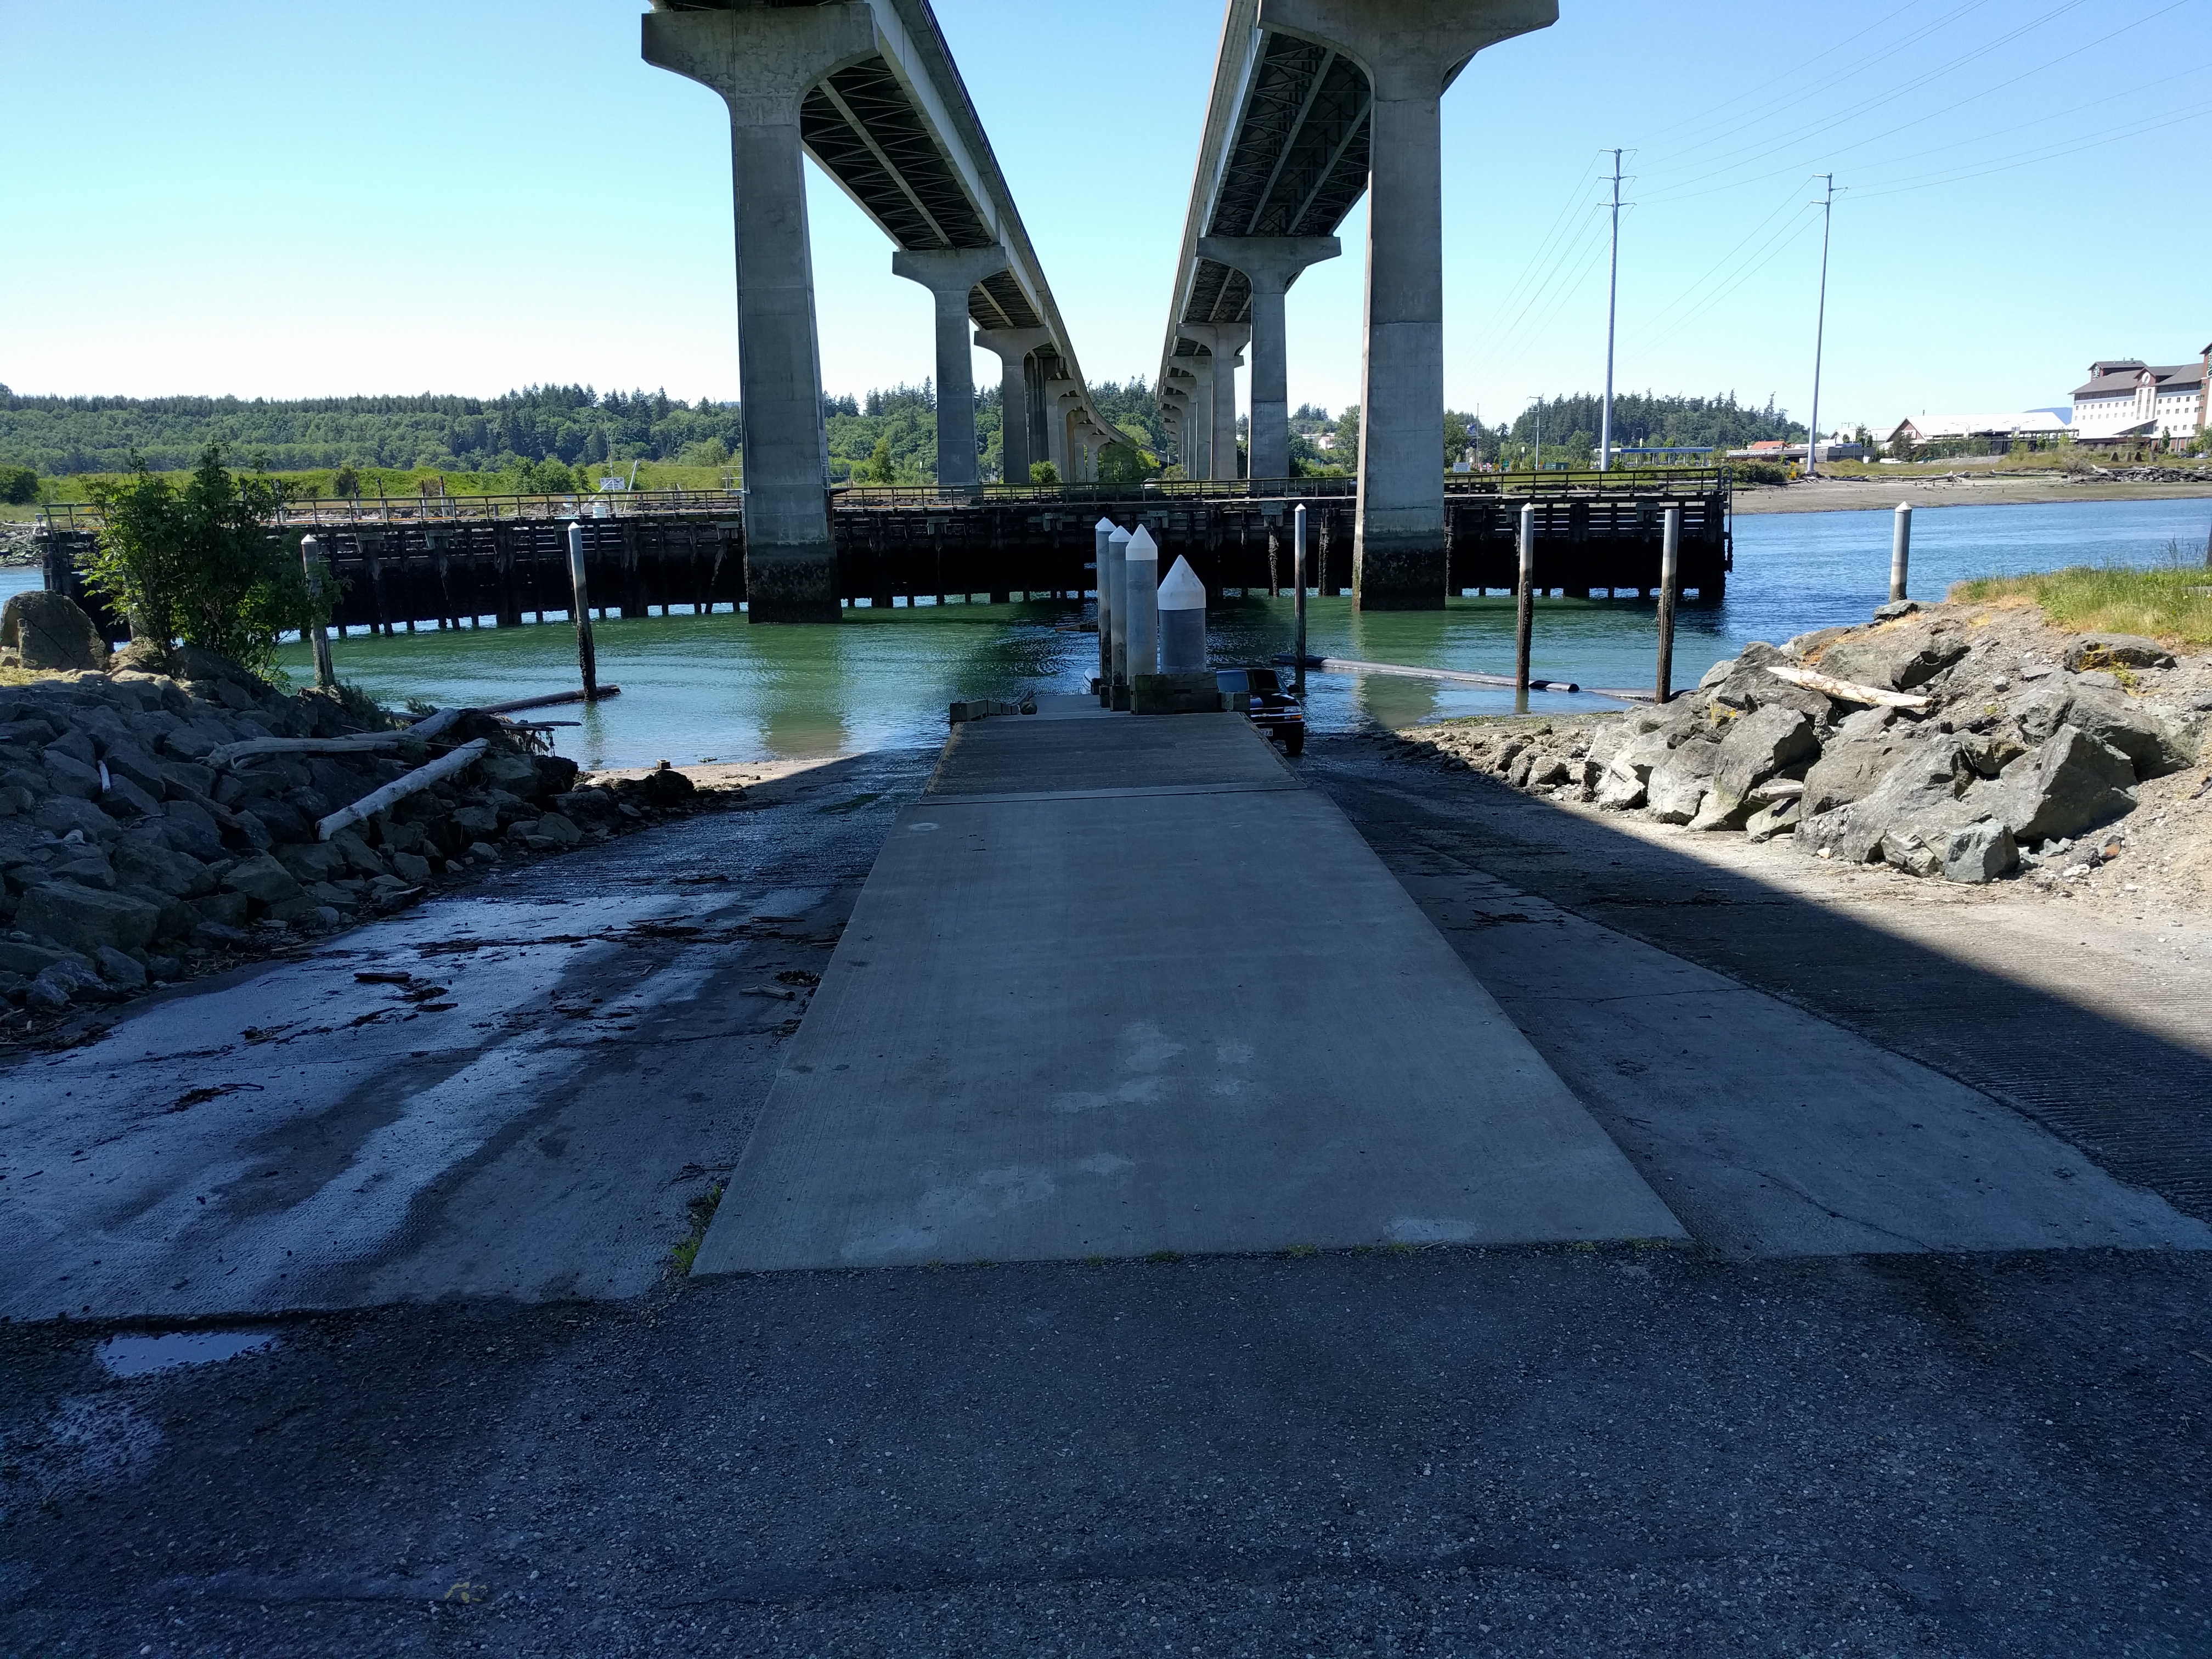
x=2128, y=399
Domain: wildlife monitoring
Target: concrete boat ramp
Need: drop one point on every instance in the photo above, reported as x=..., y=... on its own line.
x=1120, y=986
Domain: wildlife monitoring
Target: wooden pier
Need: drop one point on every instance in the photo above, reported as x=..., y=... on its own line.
x=451, y=562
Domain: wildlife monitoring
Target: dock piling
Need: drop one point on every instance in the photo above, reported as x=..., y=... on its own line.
x=1115, y=580
x=1670, y=556
x=1524, y=624
x=1299, y=601
x=1900, y=551
x=310, y=562
x=1099, y=532
x=1141, y=567
x=587, y=657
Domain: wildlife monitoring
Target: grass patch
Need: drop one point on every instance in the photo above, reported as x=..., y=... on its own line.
x=2171, y=601
x=701, y=1211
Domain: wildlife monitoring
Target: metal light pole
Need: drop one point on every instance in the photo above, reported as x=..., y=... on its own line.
x=1298, y=604
x=1612, y=296
x=1820, y=329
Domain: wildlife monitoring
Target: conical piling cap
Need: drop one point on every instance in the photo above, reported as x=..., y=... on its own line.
x=1182, y=590
x=1120, y=535
x=1104, y=526
x=1142, y=549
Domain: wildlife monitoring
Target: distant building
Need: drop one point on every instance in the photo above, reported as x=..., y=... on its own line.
x=2009, y=425
x=2127, y=400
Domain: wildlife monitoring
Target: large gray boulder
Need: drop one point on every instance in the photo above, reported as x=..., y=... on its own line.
x=1858, y=755
x=1919, y=796
x=50, y=631
x=262, y=879
x=1752, y=750
x=2072, y=784
x=1898, y=655
x=1676, y=786
x=1980, y=852
x=2153, y=745
x=85, y=918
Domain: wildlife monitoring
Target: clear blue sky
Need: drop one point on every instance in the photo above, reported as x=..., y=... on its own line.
x=292, y=200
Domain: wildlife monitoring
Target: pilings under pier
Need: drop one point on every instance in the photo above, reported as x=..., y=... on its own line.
x=407, y=565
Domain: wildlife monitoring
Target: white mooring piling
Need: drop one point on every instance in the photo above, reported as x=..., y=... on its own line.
x=1116, y=585
x=1183, y=620
x=1900, y=551
x=1099, y=532
x=1142, y=581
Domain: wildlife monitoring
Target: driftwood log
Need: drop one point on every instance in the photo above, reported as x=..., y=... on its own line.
x=399, y=789
x=1844, y=690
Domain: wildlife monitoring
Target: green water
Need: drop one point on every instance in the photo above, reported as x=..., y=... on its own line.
x=694, y=687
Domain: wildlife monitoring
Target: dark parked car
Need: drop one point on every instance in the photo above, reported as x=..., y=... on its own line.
x=1261, y=695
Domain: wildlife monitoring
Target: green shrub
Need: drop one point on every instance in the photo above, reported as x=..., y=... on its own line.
x=1043, y=473
x=1758, y=473
x=546, y=478
x=18, y=484
x=197, y=564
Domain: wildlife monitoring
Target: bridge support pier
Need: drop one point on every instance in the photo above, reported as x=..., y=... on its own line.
x=1060, y=395
x=1014, y=346
x=1271, y=265
x=1411, y=50
x=762, y=60
x=950, y=275
x=1201, y=462
x=1183, y=400
x=1223, y=340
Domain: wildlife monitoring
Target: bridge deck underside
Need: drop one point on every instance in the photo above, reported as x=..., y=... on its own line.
x=1296, y=163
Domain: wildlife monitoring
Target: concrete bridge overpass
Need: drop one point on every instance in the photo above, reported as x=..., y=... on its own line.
x=869, y=90
x=1314, y=103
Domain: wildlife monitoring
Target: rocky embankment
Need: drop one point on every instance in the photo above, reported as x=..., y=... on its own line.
x=138, y=845
x=1968, y=743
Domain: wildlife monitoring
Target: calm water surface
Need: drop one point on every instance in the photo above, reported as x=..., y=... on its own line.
x=700, y=687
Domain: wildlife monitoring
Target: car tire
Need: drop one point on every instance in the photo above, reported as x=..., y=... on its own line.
x=1294, y=742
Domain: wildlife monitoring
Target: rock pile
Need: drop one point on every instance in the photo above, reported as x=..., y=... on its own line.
x=1953, y=743
x=137, y=847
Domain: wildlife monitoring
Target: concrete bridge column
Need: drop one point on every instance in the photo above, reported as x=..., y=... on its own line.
x=1014, y=346
x=1271, y=265
x=1411, y=51
x=1223, y=341
x=1200, y=464
x=762, y=60
x=1174, y=412
x=1057, y=393
x=950, y=275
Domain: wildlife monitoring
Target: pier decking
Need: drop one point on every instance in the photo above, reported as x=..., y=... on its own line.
x=1118, y=986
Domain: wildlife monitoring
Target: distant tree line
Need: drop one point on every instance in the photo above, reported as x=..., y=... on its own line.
x=572, y=425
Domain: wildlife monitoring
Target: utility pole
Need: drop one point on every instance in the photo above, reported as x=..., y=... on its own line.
x=1612, y=297
x=1820, y=329
x=1537, y=465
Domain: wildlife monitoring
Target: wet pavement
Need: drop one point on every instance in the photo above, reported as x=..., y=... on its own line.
x=514, y=1091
